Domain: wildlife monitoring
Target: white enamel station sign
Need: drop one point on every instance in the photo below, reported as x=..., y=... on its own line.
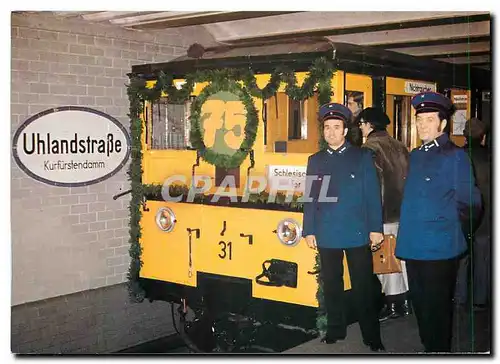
x=71, y=146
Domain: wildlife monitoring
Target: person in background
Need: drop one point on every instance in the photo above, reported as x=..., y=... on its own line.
x=480, y=242
x=336, y=226
x=440, y=190
x=391, y=161
x=355, y=101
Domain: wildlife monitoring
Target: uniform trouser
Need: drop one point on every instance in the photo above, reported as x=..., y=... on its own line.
x=394, y=283
x=359, y=261
x=432, y=284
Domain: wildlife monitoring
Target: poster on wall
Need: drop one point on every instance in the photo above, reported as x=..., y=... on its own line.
x=486, y=96
x=460, y=99
x=71, y=146
x=459, y=120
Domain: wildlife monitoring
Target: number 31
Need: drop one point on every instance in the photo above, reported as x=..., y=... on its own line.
x=223, y=246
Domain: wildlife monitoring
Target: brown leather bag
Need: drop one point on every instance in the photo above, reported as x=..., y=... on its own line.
x=384, y=260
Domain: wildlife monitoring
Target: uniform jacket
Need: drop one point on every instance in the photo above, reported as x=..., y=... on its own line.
x=354, y=182
x=439, y=188
x=391, y=162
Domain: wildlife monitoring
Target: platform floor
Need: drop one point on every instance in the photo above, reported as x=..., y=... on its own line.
x=400, y=336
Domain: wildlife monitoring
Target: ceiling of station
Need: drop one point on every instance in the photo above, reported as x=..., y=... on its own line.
x=454, y=37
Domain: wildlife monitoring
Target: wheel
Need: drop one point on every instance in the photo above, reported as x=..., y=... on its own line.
x=194, y=327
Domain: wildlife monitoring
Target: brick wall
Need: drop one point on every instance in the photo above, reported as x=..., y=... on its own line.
x=95, y=321
x=67, y=240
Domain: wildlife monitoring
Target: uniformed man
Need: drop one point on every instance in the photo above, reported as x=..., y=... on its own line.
x=348, y=223
x=439, y=189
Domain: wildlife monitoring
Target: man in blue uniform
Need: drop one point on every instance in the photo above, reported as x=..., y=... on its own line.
x=439, y=190
x=345, y=215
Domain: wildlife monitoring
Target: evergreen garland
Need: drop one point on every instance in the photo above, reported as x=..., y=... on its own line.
x=154, y=192
x=136, y=292
x=210, y=156
x=320, y=74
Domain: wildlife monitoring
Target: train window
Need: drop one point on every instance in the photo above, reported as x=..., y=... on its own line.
x=170, y=125
x=297, y=119
x=404, y=127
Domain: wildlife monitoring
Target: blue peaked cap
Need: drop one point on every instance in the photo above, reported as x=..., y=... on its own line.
x=431, y=102
x=334, y=111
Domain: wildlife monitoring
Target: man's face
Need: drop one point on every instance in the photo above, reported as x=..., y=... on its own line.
x=334, y=132
x=365, y=128
x=428, y=126
x=353, y=106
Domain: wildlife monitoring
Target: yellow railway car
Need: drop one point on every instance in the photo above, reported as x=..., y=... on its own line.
x=218, y=137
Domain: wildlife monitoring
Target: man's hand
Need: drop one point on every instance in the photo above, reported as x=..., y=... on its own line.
x=311, y=242
x=376, y=239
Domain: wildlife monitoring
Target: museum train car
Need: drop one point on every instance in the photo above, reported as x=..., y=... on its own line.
x=242, y=121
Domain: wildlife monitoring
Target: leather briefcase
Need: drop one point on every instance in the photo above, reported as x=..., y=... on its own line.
x=384, y=260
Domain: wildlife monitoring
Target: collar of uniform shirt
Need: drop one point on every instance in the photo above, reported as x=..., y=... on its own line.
x=440, y=140
x=339, y=150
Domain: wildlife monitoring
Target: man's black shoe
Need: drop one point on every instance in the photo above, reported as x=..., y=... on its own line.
x=405, y=308
x=375, y=346
x=328, y=340
x=388, y=312
x=331, y=339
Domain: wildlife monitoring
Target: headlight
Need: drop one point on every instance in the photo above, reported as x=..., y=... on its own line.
x=289, y=232
x=165, y=219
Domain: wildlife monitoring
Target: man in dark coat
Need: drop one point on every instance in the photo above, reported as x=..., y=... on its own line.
x=391, y=161
x=344, y=215
x=480, y=240
x=439, y=189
